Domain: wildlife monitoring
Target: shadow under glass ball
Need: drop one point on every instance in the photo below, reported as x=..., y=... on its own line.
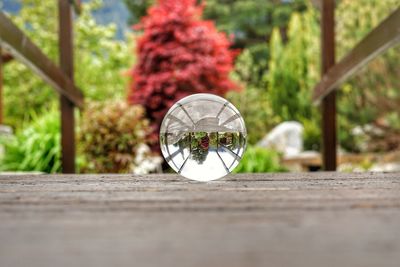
x=203, y=137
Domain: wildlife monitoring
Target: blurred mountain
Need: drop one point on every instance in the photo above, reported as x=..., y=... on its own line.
x=113, y=11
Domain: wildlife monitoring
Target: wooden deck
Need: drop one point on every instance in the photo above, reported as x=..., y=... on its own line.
x=309, y=219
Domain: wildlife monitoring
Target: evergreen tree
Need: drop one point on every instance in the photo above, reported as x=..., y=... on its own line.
x=294, y=71
x=293, y=68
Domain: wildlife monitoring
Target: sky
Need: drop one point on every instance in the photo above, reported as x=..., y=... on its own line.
x=113, y=11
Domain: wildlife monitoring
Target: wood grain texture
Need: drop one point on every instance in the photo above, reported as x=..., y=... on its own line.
x=304, y=219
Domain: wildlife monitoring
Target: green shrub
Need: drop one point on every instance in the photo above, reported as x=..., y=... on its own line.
x=36, y=147
x=110, y=135
x=254, y=107
x=371, y=96
x=258, y=159
x=252, y=102
x=312, y=134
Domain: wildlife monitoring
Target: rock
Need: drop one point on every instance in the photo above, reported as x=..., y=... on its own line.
x=286, y=137
x=386, y=167
x=5, y=130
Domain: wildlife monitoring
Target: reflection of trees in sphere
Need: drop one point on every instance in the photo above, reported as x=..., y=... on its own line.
x=203, y=137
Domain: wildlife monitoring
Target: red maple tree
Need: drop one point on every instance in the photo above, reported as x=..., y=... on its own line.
x=178, y=54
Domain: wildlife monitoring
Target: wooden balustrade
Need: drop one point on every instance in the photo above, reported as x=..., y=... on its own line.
x=380, y=39
x=60, y=78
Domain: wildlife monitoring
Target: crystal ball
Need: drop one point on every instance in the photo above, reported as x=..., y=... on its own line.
x=203, y=137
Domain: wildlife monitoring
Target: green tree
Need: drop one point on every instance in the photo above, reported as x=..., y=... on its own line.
x=99, y=60
x=249, y=22
x=293, y=68
x=252, y=102
x=137, y=9
x=293, y=72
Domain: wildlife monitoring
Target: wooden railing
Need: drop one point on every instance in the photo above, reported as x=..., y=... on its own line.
x=380, y=39
x=15, y=42
x=383, y=37
x=22, y=48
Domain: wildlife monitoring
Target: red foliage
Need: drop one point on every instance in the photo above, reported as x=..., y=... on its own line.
x=178, y=54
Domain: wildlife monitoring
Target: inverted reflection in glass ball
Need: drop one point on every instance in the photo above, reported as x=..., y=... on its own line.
x=203, y=137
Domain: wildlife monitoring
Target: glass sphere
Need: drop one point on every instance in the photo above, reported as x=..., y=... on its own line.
x=203, y=137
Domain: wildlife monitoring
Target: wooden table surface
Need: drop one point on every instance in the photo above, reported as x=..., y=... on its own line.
x=308, y=219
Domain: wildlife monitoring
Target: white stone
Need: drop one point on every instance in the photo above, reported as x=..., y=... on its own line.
x=286, y=137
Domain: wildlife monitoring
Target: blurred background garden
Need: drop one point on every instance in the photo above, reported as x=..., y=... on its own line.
x=262, y=55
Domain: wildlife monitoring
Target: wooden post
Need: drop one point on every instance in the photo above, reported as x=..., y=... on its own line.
x=329, y=101
x=67, y=107
x=1, y=87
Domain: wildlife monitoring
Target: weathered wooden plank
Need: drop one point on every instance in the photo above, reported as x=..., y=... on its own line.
x=383, y=37
x=22, y=48
x=291, y=219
